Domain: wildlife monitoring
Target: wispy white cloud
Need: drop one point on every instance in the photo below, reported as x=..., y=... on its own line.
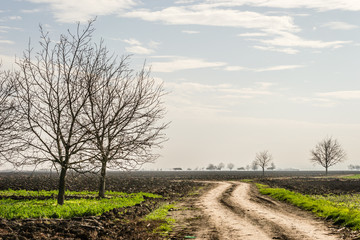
x=321, y=5
x=343, y=95
x=138, y=48
x=278, y=68
x=183, y=63
x=287, y=39
x=315, y=101
x=263, y=69
x=83, y=10
x=277, y=49
x=190, y=31
x=208, y=16
x=253, y=34
x=340, y=26
x=35, y=10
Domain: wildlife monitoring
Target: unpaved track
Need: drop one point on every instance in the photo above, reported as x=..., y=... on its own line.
x=236, y=211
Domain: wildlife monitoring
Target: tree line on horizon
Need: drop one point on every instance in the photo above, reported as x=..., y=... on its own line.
x=327, y=153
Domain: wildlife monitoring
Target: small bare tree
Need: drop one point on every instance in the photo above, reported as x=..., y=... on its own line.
x=327, y=153
x=230, y=166
x=263, y=159
x=52, y=93
x=122, y=115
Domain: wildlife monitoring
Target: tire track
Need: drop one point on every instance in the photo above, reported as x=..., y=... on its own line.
x=234, y=214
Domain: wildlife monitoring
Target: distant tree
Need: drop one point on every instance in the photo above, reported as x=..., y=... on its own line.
x=354, y=167
x=220, y=166
x=327, y=153
x=247, y=167
x=211, y=167
x=230, y=166
x=272, y=166
x=263, y=159
x=254, y=166
x=241, y=168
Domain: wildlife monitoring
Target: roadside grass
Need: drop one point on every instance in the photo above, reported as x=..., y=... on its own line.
x=343, y=210
x=34, y=208
x=355, y=176
x=160, y=215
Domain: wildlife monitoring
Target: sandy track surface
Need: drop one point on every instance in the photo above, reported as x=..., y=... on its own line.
x=235, y=210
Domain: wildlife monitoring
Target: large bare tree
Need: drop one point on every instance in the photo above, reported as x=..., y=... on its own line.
x=52, y=92
x=10, y=121
x=123, y=115
x=327, y=153
x=263, y=159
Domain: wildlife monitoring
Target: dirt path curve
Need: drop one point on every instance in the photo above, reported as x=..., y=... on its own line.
x=235, y=210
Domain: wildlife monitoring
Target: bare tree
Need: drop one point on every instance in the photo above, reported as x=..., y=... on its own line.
x=327, y=153
x=52, y=93
x=211, y=167
x=220, y=166
x=254, y=166
x=230, y=166
x=10, y=120
x=263, y=159
x=272, y=166
x=122, y=115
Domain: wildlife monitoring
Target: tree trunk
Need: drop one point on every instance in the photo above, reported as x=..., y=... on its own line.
x=263, y=171
x=326, y=171
x=102, y=180
x=61, y=194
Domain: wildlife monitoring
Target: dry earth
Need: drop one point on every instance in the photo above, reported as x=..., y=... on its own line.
x=235, y=210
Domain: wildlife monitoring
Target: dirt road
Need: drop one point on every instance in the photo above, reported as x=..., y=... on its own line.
x=235, y=210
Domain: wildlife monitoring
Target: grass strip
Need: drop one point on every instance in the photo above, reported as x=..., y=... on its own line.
x=160, y=214
x=44, y=193
x=34, y=208
x=342, y=215
x=355, y=176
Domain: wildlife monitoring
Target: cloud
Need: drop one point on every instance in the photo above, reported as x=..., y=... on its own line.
x=83, y=10
x=208, y=16
x=315, y=101
x=278, y=68
x=287, y=39
x=343, y=95
x=274, y=49
x=183, y=63
x=264, y=69
x=254, y=34
x=190, y=32
x=321, y=5
x=139, y=50
x=137, y=47
x=340, y=26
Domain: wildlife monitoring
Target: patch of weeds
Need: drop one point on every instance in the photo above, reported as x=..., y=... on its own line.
x=246, y=180
x=160, y=215
x=355, y=176
x=35, y=208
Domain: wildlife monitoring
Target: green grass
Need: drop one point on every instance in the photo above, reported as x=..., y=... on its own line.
x=160, y=214
x=355, y=176
x=329, y=207
x=43, y=193
x=34, y=208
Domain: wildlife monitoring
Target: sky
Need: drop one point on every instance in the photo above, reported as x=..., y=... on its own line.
x=242, y=76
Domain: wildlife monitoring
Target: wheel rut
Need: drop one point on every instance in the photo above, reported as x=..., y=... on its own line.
x=235, y=210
